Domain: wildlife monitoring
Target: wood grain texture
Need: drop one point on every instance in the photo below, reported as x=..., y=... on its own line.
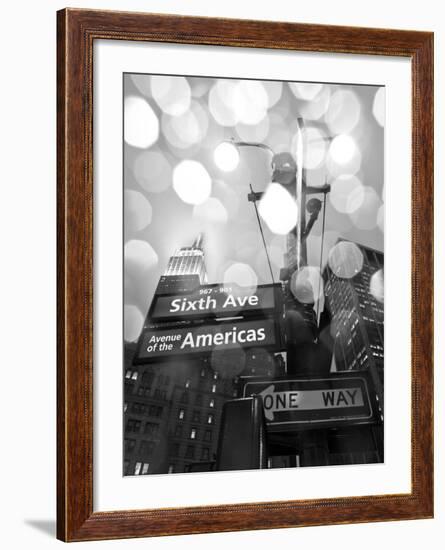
x=76, y=31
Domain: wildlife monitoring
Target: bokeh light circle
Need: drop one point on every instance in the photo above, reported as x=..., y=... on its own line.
x=342, y=149
x=221, y=103
x=211, y=211
x=226, y=156
x=139, y=255
x=137, y=211
x=171, y=93
x=345, y=259
x=343, y=113
x=377, y=285
x=241, y=278
x=378, y=106
x=188, y=129
x=152, y=171
x=192, y=182
x=141, y=125
x=250, y=101
x=229, y=363
x=307, y=284
x=306, y=91
x=365, y=217
x=133, y=323
x=278, y=209
x=347, y=194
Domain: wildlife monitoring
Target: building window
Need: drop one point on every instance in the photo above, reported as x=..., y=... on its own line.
x=155, y=411
x=213, y=388
x=130, y=444
x=171, y=468
x=203, y=373
x=212, y=403
x=215, y=376
x=125, y=407
x=208, y=435
x=198, y=400
x=193, y=433
x=146, y=448
x=196, y=416
x=205, y=453
x=145, y=468
x=181, y=414
x=151, y=428
x=184, y=397
x=133, y=425
x=128, y=374
x=190, y=452
x=187, y=383
x=137, y=468
x=178, y=430
x=134, y=376
x=210, y=419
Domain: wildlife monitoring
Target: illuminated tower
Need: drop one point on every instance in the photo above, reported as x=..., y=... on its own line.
x=357, y=318
x=185, y=271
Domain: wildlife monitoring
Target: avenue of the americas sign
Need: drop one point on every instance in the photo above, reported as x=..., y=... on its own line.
x=215, y=301
x=157, y=344
x=315, y=402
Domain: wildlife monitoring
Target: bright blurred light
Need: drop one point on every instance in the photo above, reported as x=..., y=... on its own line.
x=254, y=132
x=377, y=286
x=221, y=103
x=343, y=113
x=278, y=209
x=137, y=211
x=307, y=285
x=378, y=106
x=241, y=278
x=211, y=211
x=365, y=217
x=342, y=149
x=152, y=171
x=250, y=101
x=192, y=182
x=133, y=323
x=226, y=156
x=171, y=93
x=139, y=255
x=315, y=147
x=187, y=129
x=141, y=125
x=316, y=108
x=274, y=90
x=304, y=90
x=347, y=194
x=345, y=259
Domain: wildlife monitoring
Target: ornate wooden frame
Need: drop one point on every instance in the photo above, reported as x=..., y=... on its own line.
x=77, y=30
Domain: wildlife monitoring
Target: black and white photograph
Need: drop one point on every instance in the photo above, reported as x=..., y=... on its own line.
x=253, y=231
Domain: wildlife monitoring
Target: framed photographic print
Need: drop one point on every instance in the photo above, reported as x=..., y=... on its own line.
x=232, y=352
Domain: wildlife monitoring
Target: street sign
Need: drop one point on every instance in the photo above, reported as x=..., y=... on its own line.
x=215, y=301
x=158, y=344
x=314, y=402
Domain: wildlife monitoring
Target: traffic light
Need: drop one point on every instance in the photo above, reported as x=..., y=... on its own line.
x=242, y=438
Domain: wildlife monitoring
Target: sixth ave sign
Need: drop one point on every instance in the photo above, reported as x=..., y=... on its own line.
x=315, y=402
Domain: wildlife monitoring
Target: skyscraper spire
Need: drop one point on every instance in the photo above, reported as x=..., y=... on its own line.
x=198, y=241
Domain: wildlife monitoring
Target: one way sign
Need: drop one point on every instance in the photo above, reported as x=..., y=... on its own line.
x=315, y=401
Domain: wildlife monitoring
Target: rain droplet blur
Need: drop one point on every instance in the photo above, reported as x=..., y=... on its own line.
x=345, y=260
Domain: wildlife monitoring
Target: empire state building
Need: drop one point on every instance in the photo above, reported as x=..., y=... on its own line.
x=185, y=271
